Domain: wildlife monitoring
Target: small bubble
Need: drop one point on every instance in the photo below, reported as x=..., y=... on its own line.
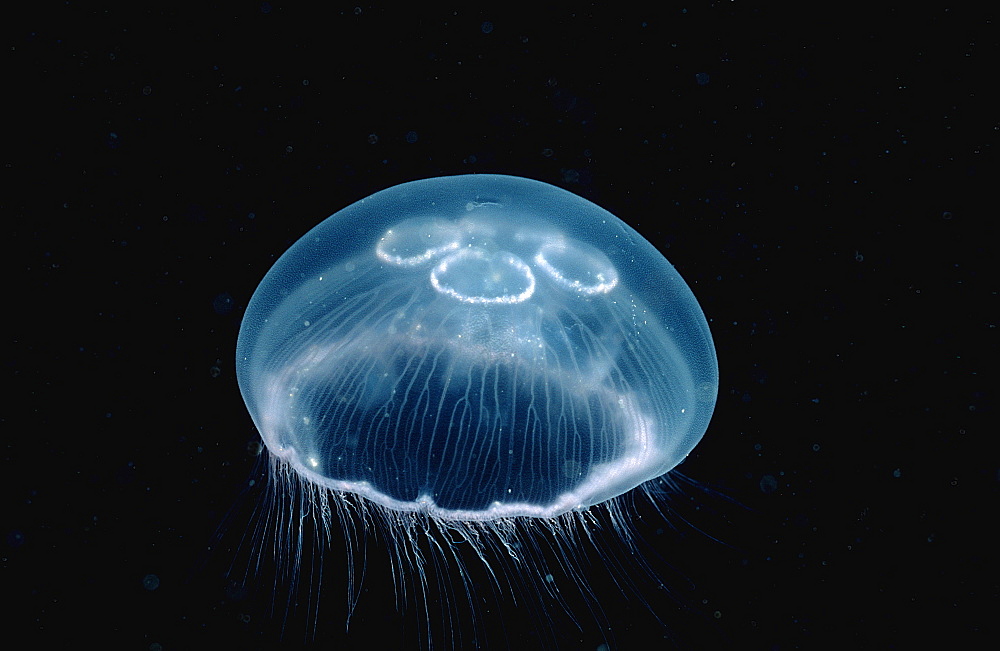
x=15, y=538
x=151, y=582
x=223, y=303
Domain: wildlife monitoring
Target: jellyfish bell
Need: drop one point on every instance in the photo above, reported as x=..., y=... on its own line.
x=473, y=354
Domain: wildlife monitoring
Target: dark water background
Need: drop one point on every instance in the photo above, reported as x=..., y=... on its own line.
x=821, y=179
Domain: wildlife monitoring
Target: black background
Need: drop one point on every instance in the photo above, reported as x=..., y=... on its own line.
x=820, y=177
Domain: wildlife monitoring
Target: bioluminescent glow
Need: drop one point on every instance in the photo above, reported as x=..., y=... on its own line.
x=481, y=361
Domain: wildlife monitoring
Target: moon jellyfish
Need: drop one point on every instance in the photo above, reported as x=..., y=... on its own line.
x=473, y=370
